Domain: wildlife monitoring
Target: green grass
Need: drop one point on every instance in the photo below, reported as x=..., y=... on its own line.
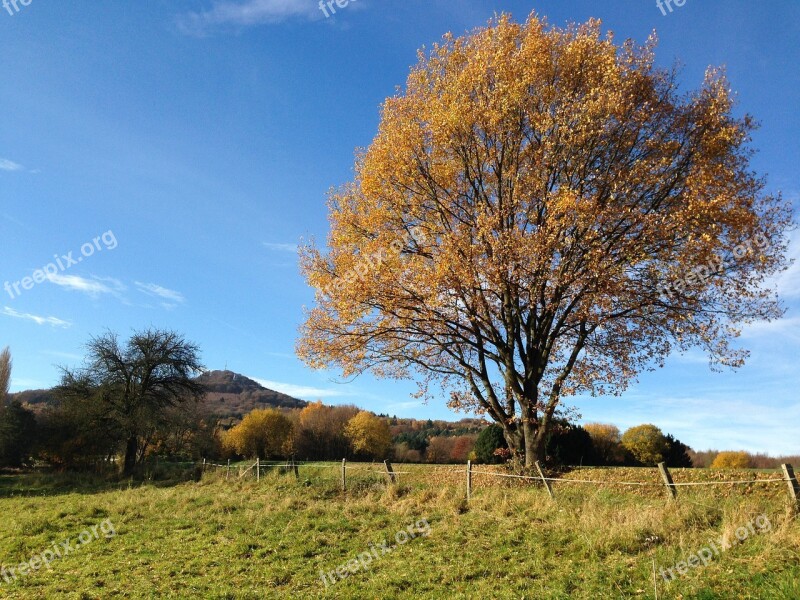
x=271, y=539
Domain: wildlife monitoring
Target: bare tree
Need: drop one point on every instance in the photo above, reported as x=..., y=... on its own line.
x=135, y=384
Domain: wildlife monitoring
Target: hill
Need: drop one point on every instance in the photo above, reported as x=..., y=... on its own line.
x=228, y=395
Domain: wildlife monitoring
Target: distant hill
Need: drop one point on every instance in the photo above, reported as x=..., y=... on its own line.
x=232, y=395
x=228, y=395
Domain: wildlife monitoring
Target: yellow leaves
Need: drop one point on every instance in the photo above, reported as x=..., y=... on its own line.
x=262, y=433
x=369, y=435
x=554, y=173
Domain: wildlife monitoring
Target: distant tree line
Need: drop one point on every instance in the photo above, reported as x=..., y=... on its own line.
x=140, y=399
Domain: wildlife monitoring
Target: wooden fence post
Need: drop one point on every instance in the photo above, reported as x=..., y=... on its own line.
x=469, y=480
x=258, y=469
x=791, y=481
x=296, y=470
x=228, y=470
x=665, y=475
x=344, y=474
x=390, y=471
x=545, y=481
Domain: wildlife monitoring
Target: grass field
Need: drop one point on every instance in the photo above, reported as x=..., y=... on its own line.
x=274, y=538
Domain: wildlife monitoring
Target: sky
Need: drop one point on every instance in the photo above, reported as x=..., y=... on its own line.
x=168, y=157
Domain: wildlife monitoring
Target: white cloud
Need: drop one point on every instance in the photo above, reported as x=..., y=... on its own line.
x=281, y=247
x=9, y=165
x=152, y=289
x=52, y=321
x=300, y=391
x=246, y=13
x=93, y=287
x=788, y=327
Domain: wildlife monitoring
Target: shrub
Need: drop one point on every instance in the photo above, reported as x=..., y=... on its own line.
x=732, y=460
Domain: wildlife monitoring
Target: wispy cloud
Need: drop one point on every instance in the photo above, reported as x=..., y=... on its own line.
x=281, y=247
x=157, y=291
x=788, y=327
x=9, y=165
x=94, y=286
x=66, y=355
x=245, y=13
x=300, y=391
x=750, y=423
x=52, y=321
x=19, y=384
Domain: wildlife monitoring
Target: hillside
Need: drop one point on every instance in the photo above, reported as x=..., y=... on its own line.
x=228, y=395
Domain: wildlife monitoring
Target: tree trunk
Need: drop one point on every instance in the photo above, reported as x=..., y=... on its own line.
x=534, y=444
x=514, y=438
x=131, y=450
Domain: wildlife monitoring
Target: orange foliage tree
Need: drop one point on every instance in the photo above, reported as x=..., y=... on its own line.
x=543, y=214
x=319, y=434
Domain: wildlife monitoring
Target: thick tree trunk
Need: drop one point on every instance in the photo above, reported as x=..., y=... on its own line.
x=535, y=445
x=131, y=450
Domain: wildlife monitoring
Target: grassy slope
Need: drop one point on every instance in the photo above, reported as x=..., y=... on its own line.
x=243, y=539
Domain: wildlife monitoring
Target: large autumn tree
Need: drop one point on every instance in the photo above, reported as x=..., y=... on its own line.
x=543, y=214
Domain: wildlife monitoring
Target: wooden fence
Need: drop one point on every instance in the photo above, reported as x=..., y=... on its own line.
x=386, y=470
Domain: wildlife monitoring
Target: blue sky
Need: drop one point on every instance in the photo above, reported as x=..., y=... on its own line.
x=181, y=150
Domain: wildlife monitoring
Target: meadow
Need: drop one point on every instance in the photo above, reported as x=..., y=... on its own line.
x=183, y=535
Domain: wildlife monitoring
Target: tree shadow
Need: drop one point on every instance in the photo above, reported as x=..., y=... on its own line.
x=46, y=483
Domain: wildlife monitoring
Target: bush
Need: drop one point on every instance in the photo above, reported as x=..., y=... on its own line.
x=17, y=434
x=732, y=460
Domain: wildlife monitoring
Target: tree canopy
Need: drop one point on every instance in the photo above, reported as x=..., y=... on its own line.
x=543, y=213
x=646, y=443
x=369, y=435
x=265, y=433
x=5, y=373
